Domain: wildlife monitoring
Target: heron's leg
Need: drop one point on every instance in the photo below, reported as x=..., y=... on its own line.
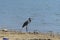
x=26, y=29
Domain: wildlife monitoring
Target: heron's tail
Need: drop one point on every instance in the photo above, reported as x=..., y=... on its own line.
x=23, y=26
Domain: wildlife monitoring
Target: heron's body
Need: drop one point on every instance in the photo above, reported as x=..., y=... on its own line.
x=26, y=23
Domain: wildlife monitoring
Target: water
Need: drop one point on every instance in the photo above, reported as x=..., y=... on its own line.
x=45, y=14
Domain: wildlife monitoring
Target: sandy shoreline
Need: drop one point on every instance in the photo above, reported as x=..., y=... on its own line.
x=27, y=36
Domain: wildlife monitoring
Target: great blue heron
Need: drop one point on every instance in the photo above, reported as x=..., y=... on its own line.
x=26, y=23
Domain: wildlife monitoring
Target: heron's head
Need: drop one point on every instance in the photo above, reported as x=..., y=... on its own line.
x=30, y=19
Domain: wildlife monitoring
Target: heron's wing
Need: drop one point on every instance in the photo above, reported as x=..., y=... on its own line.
x=25, y=24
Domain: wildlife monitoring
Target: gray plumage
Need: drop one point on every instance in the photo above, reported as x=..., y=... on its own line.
x=26, y=22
